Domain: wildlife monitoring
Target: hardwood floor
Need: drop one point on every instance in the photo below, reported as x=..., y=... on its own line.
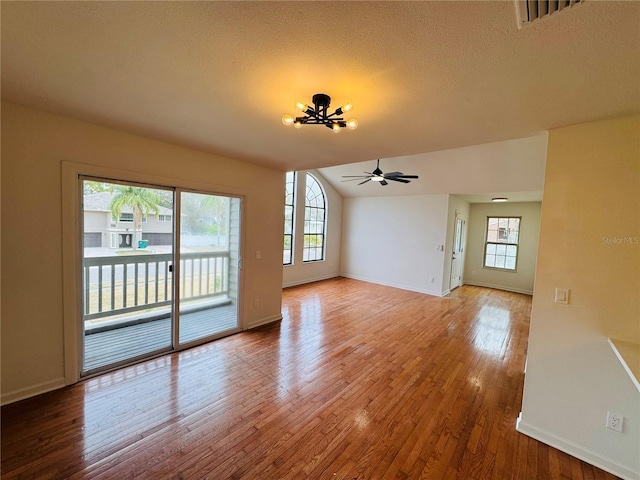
x=359, y=381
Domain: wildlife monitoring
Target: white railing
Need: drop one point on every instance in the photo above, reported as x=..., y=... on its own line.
x=123, y=284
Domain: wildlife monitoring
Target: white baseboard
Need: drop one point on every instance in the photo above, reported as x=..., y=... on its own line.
x=394, y=285
x=31, y=391
x=499, y=287
x=309, y=280
x=264, y=321
x=577, y=451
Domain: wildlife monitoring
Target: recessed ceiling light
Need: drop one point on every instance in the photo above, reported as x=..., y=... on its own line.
x=499, y=199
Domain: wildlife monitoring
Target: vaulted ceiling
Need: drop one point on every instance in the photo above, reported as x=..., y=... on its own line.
x=423, y=76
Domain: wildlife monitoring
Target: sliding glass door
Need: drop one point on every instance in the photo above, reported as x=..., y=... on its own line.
x=134, y=277
x=127, y=259
x=209, y=255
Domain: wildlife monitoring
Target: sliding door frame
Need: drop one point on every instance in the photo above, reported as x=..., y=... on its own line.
x=72, y=255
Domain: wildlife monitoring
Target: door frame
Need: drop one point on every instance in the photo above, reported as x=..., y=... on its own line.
x=72, y=243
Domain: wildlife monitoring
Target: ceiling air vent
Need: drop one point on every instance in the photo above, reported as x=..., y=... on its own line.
x=528, y=11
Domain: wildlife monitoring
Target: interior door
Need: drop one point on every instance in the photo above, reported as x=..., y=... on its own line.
x=127, y=278
x=457, y=259
x=208, y=266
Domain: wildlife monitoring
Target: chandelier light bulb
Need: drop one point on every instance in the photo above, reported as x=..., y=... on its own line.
x=347, y=107
x=287, y=120
x=302, y=106
x=297, y=124
x=336, y=128
x=352, y=124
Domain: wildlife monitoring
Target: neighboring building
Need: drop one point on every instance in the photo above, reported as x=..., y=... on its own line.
x=102, y=229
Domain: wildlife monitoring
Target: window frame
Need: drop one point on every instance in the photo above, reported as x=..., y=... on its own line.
x=305, y=233
x=162, y=218
x=292, y=205
x=488, y=242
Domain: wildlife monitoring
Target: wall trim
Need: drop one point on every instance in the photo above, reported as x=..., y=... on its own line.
x=264, y=321
x=394, y=285
x=506, y=288
x=32, y=391
x=575, y=450
x=310, y=280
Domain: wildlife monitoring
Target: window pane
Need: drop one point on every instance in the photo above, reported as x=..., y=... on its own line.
x=490, y=261
x=314, y=221
x=501, y=233
x=289, y=214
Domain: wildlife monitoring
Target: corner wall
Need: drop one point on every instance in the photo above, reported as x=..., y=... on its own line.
x=33, y=146
x=591, y=200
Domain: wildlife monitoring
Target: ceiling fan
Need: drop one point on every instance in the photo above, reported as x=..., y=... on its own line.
x=378, y=176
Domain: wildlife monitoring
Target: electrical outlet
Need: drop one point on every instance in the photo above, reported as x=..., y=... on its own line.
x=615, y=421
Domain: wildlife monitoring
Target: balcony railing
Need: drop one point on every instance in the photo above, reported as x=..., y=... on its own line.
x=123, y=284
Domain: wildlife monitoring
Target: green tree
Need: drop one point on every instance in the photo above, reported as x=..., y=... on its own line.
x=91, y=186
x=142, y=201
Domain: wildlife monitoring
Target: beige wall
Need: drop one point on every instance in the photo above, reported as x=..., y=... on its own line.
x=33, y=146
x=301, y=272
x=522, y=279
x=591, y=196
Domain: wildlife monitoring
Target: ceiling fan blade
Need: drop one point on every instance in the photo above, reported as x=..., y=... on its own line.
x=383, y=183
x=393, y=174
x=357, y=179
x=367, y=180
x=354, y=176
x=401, y=180
x=401, y=176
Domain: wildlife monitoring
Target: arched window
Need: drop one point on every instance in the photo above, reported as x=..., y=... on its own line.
x=289, y=214
x=315, y=219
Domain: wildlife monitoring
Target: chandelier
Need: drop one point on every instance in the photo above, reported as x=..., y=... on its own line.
x=318, y=115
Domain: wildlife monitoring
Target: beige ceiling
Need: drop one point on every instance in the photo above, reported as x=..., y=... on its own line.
x=423, y=76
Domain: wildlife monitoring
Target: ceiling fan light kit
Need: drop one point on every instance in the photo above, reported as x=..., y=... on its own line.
x=318, y=115
x=378, y=176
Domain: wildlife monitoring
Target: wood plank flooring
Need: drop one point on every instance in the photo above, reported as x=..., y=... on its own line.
x=359, y=381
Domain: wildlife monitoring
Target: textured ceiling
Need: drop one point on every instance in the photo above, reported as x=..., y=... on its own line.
x=423, y=76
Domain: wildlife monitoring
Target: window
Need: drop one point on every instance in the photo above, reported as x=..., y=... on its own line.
x=164, y=218
x=501, y=248
x=126, y=217
x=314, y=221
x=289, y=209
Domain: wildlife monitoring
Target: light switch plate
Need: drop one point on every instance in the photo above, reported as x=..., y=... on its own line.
x=562, y=295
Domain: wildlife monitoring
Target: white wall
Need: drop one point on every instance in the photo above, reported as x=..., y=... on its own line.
x=301, y=272
x=520, y=281
x=592, y=193
x=35, y=253
x=393, y=241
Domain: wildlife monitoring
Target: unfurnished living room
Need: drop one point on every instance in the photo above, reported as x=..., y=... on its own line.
x=320, y=240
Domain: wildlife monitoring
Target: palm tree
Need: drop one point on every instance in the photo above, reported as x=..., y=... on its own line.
x=141, y=200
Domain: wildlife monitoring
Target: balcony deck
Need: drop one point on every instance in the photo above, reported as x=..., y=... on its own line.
x=120, y=344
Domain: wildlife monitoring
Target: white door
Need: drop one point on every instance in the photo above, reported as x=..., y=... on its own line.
x=457, y=258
